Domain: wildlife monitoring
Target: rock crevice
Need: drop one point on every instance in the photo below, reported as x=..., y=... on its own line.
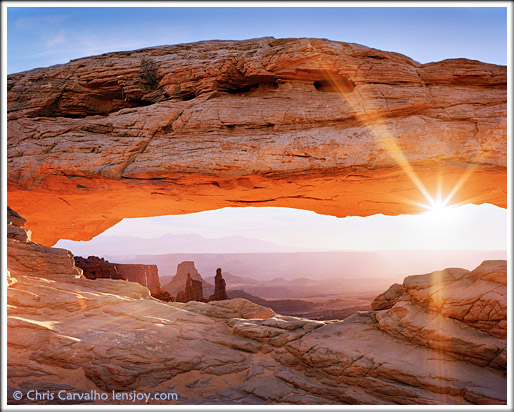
x=427, y=341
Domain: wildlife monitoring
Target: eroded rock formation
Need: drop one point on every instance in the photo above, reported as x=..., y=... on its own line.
x=442, y=340
x=456, y=312
x=366, y=358
x=184, y=270
x=27, y=257
x=15, y=226
x=193, y=291
x=163, y=295
x=332, y=127
x=146, y=275
x=94, y=267
x=337, y=128
x=220, y=288
x=387, y=299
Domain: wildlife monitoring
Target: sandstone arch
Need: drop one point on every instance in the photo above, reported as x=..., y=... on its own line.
x=336, y=128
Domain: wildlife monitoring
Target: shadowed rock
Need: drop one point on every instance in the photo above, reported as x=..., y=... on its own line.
x=220, y=292
x=192, y=291
x=95, y=268
x=163, y=295
x=15, y=226
x=387, y=299
x=98, y=268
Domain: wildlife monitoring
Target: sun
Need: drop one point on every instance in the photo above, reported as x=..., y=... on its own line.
x=437, y=208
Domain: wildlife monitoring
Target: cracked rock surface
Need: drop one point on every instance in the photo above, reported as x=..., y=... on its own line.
x=442, y=340
x=337, y=128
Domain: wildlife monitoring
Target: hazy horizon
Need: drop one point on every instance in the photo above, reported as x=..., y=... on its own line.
x=116, y=243
x=469, y=227
x=319, y=265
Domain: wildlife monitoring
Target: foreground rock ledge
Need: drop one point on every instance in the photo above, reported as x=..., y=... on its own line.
x=337, y=128
x=439, y=338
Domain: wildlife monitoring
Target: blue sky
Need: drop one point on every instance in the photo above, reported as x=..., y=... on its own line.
x=43, y=36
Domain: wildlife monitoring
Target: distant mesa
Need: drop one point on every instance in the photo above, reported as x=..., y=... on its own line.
x=300, y=307
x=146, y=275
x=190, y=281
x=96, y=268
x=178, y=282
x=234, y=280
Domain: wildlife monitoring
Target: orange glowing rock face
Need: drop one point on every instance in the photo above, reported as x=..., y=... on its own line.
x=331, y=127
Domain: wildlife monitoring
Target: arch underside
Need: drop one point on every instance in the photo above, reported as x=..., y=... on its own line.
x=81, y=214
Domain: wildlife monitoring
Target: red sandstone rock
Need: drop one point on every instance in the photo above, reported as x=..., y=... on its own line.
x=454, y=311
x=15, y=227
x=184, y=270
x=220, y=292
x=303, y=123
x=10, y=280
x=388, y=299
x=98, y=268
x=146, y=275
x=27, y=257
x=192, y=291
x=14, y=219
x=163, y=295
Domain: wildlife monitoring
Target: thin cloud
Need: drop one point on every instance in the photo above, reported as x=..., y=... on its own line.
x=36, y=22
x=69, y=44
x=57, y=40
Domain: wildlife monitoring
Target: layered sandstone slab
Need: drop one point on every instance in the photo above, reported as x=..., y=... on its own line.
x=27, y=257
x=337, y=128
x=442, y=341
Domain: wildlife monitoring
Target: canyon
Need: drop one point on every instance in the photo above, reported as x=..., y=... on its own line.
x=438, y=338
x=336, y=128
x=186, y=286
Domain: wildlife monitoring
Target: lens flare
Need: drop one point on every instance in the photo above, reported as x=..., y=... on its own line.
x=380, y=131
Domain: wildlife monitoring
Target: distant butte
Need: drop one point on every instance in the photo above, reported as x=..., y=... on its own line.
x=336, y=128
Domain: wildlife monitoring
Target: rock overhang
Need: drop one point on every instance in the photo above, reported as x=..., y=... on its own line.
x=332, y=127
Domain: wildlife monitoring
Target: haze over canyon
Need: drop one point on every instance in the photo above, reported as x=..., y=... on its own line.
x=331, y=127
